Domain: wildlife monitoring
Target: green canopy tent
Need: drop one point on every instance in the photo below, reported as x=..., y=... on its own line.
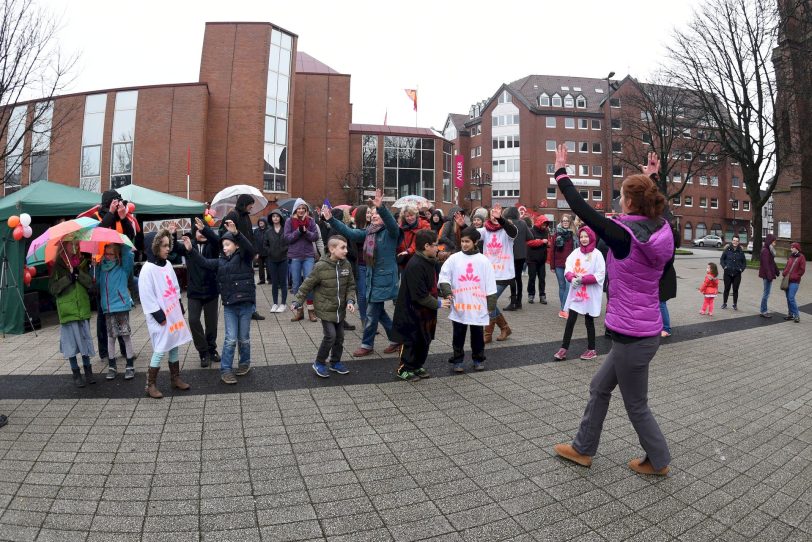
x=152, y=202
x=41, y=199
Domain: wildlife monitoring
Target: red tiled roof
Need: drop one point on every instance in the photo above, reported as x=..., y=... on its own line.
x=307, y=64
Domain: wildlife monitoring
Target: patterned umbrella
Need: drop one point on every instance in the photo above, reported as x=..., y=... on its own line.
x=36, y=251
x=417, y=201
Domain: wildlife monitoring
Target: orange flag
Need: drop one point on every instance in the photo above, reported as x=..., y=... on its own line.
x=412, y=94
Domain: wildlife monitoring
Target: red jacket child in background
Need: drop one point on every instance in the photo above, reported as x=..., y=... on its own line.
x=709, y=288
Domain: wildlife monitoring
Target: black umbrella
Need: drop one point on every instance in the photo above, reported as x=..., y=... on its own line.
x=287, y=205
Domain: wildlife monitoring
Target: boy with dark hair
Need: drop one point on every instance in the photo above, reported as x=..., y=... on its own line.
x=333, y=287
x=468, y=278
x=416, y=307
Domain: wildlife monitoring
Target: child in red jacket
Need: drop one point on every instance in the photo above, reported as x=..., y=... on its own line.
x=709, y=288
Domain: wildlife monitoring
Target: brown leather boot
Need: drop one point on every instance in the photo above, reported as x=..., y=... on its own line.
x=504, y=327
x=174, y=372
x=311, y=313
x=489, y=331
x=298, y=314
x=151, y=389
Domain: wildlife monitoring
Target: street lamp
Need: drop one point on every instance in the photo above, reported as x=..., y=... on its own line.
x=611, y=153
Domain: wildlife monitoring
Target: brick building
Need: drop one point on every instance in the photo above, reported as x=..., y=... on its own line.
x=508, y=143
x=262, y=113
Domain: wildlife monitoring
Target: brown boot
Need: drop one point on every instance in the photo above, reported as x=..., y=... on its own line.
x=642, y=465
x=298, y=314
x=568, y=452
x=504, y=327
x=311, y=313
x=151, y=389
x=489, y=331
x=174, y=372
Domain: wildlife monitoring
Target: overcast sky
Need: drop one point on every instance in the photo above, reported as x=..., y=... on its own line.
x=455, y=52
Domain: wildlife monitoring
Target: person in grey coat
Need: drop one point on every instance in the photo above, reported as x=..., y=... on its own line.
x=519, y=256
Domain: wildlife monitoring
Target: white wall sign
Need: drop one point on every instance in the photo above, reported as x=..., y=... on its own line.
x=785, y=230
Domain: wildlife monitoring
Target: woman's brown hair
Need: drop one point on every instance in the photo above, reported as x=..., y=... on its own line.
x=361, y=217
x=642, y=196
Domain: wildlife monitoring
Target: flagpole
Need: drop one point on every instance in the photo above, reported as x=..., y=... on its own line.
x=417, y=94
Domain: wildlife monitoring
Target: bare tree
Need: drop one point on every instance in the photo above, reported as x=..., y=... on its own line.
x=724, y=57
x=31, y=67
x=664, y=119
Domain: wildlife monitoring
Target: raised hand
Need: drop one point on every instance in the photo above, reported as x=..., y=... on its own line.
x=172, y=227
x=496, y=212
x=187, y=243
x=199, y=224
x=231, y=227
x=652, y=166
x=326, y=212
x=378, y=199
x=560, y=157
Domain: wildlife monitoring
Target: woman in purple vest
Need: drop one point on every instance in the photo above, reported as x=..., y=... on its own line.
x=641, y=247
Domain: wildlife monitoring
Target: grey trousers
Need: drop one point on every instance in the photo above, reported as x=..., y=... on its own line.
x=625, y=366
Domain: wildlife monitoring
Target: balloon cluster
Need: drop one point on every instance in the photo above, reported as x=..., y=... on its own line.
x=20, y=225
x=209, y=217
x=28, y=274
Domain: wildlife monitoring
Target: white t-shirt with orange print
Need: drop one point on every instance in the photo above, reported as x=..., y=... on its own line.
x=472, y=280
x=587, y=298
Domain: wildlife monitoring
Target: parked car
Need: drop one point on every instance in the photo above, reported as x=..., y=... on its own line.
x=749, y=247
x=709, y=240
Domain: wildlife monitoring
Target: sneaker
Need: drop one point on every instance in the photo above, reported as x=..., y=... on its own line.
x=530, y=299
x=321, y=369
x=129, y=373
x=765, y=315
x=797, y=319
x=702, y=313
x=665, y=333
x=479, y=365
x=789, y=317
x=214, y=356
x=735, y=307
x=710, y=314
x=563, y=314
x=422, y=373
x=228, y=378
x=280, y=308
x=589, y=354
x=405, y=374
x=561, y=355
x=724, y=305
x=338, y=367
x=458, y=368
x=242, y=369
x=543, y=299
x=204, y=361
x=111, y=373
x=257, y=316
x=274, y=307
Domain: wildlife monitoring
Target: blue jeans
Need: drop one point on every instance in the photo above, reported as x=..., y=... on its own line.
x=792, y=306
x=562, y=286
x=666, y=316
x=238, y=326
x=376, y=312
x=499, y=289
x=361, y=287
x=768, y=284
x=300, y=268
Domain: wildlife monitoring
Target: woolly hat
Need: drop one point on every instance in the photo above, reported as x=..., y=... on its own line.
x=482, y=213
x=228, y=236
x=796, y=246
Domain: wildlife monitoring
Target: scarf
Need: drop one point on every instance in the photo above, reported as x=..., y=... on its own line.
x=296, y=222
x=490, y=226
x=369, y=243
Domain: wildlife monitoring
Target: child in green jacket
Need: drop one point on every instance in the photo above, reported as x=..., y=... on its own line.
x=68, y=283
x=333, y=287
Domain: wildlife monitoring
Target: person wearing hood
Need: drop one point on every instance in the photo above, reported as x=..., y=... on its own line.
x=585, y=270
x=436, y=221
x=410, y=222
x=301, y=231
x=240, y=215
x=519, y=257
x=261, y=244
x=202, y=293
x=278, y=260
x=235, y=281
x=793, y=271
x=536, y=260
x=767, y=272
x=734, y=262
x=451, y=232
x=497, y=243
x=562, y=247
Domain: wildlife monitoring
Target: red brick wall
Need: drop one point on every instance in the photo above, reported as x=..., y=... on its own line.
x=66, y=143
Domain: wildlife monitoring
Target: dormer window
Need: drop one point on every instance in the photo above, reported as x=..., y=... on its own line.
x=505, y=97
x=556, y=100
x=580, y=102
x=544, y=100
x=569, y=101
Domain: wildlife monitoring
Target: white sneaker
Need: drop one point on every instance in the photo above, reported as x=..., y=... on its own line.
x=274, y=307
x=280, y=308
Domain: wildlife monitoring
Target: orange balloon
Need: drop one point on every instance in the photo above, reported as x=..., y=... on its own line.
x=18, y=232
x=13, y=221
x=27, y=278
x=32, y=271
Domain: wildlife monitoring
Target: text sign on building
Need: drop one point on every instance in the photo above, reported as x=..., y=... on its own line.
x=459, y=168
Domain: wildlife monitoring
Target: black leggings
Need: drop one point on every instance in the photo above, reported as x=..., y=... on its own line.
x=590, y=330
x=516, y=285
x=732, y=280
x=536, y=269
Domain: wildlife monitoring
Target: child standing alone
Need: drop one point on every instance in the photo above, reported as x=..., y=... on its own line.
x=709, y=288
x=333, y=287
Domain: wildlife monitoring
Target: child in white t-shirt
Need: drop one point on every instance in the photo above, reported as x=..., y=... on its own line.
x=468, y=278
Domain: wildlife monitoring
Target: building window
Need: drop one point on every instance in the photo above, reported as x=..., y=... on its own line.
x=583, y=146
x=369, y=160
x=584, y=193
x=447, y=168
x=583, y=124
x=596, y=124
x=551, y=192
x=505, y=97
x=556, y=100
x=689, y=179
x=688, y=232
x=550, y=122
x=745, y=205
x=703, y=180
x=616, y=124
x=569, y=123
x=92, y=133
x=617, y=170
x=714, y=181
x=544, y=100
x=40, y=142
x=677, y=201
x=677, y=178
x=121, y=163
x=614, y=102
x=596, y=147
x=551, y=145
x=569, y=101
x=597, y=171
x=714, y=203
x=617, y=147
x=646, y=138
x=689, y=201
x=580, y=102
x=277, y=98
x=701, y=230
x=584, y=170
x=550, y=169
x=408, y=167
x=14, y=149
x=597, y=195
x=703, y=202
x=570, y=146
x=570, y=170
x=735, y=181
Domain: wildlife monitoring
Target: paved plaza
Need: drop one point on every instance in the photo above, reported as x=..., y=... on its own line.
x=287, y=456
